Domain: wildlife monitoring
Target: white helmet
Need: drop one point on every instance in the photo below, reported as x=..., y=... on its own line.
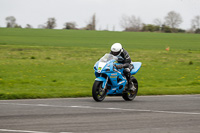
x=116, y=49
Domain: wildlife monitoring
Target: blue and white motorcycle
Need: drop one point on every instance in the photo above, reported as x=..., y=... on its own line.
x=111, y=81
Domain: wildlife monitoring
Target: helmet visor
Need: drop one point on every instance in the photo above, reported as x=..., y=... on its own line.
x=115, y=53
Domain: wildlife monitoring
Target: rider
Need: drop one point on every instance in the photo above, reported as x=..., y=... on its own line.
x=117, y=50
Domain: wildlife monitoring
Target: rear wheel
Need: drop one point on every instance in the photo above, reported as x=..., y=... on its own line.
x=97, y=91
x=130, y=95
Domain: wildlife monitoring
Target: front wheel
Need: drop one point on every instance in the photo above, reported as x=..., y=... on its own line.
x=130, y=95
x=97, y=91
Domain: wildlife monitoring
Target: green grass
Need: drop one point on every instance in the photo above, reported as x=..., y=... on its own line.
x=59, y=63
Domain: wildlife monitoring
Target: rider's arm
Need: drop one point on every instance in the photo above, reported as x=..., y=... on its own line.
x=126, y=62
x=120, y=66
x=127, y=58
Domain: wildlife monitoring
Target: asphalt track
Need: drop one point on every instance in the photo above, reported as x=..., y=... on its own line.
x=146, y=114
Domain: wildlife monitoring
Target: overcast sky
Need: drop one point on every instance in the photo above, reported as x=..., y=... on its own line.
x=108, y=12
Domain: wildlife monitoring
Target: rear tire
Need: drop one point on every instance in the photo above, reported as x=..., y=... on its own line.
x=130, y=95
x=97, y=91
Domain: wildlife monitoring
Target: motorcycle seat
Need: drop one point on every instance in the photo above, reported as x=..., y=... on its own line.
x=136, y=67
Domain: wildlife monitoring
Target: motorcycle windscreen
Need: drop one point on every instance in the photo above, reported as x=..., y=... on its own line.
x=136, y=68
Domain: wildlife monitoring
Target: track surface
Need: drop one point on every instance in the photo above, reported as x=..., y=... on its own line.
x=146, y=114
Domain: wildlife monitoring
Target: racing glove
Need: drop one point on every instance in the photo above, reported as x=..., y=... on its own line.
x=119, y=66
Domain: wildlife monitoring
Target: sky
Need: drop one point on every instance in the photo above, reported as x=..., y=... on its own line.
x=108, y=12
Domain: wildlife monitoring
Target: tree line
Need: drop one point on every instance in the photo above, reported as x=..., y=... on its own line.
x=51, y=24
x=170, y=24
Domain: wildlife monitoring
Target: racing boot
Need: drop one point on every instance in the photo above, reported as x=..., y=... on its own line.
x=131, y=86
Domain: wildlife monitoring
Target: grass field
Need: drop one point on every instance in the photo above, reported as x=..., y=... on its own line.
x=38, y=63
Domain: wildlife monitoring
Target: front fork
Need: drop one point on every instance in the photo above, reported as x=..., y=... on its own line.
x=103, y=88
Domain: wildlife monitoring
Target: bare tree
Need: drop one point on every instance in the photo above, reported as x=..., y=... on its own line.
x=173, y=19
x=92, y=24
x=28, y=26
x=41, y=26
x=158, y=22
x=131, y=23
x=70, y=25
x=124, y=22
x=196, y=23
x=51, y=23
x=10, y=22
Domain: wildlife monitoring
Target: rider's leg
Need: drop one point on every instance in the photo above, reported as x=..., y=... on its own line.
x=128, y=77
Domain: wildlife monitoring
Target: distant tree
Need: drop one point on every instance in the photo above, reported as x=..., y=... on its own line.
x=173, y=19
x=166, y=29
x=41, y=26
x=181, y=30
x=197, y=31
x=51, y=23
x=17, y=26
x=196, y=24
x=10, y=22
x=89, y=27
x=125, y=22
x=158, y=22
x=150, y=27
x=70, y=25
x=131, y=23
x=92, y=24
x=28, y=26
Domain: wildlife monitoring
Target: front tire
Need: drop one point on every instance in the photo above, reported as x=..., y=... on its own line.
x=130, y=95
x=97, y=91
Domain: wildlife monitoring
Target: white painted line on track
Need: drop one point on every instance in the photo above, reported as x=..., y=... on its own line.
x=101, y=108
x=171, y=95
x=20, y=131
x=111, y=97
x=25, y=131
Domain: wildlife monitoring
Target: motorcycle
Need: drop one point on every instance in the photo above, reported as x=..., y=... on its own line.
x=112, y=81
